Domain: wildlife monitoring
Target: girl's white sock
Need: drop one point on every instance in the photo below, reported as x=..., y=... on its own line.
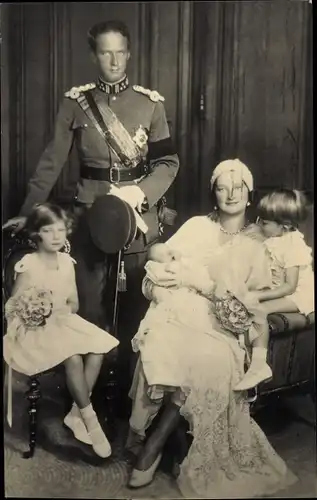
x=88, y=413
x=75, y=411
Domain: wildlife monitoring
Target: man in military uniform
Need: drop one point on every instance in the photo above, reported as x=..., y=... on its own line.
x=142, y=114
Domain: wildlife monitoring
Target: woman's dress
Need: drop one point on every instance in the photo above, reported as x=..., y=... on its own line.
x=230, y=455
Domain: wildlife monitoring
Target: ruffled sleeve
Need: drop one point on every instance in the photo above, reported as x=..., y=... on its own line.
x=67, y=260
x=25, y=264
x=296, y=251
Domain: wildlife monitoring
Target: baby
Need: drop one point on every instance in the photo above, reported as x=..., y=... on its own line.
x=161, y=253
x=165, y=255
x=181, y=303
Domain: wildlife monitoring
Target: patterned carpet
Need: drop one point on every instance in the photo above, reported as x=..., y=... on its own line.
x=65, y=468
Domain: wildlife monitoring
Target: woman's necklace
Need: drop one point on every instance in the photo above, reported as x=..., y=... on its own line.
x=235, y=232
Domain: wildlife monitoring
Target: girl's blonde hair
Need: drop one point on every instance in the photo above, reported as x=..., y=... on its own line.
x=284, y=206
x=45, y=214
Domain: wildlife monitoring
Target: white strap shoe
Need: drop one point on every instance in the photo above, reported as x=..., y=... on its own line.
x=78, y=428
x=100, y=443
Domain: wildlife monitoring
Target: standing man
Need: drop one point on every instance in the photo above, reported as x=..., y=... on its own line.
x=89, y=117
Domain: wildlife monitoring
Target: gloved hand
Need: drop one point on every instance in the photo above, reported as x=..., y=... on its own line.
x=131, y=194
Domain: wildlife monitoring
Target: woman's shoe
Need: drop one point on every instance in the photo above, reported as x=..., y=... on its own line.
x=141, y=478
x=253, y=377
x=78, y=428
x=154, y=446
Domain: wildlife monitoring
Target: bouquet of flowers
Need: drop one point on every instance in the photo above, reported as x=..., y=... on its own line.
x=237, y=312
x=232, y=314
x=30, y=308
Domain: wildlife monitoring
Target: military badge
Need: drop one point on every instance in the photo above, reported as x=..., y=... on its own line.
x=140, y=137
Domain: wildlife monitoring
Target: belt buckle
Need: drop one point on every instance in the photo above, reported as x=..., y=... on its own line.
x=114, y=178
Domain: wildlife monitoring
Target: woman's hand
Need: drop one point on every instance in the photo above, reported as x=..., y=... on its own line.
x=161, y=276
x=253, y=296
x=154, y=292
x=188, y=277
x=254, y=231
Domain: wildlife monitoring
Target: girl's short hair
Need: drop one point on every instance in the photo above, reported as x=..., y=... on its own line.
x=107, y=27
x=284, y=206
x=45, y=214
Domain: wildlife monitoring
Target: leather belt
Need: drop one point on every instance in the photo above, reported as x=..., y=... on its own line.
x=113, y=174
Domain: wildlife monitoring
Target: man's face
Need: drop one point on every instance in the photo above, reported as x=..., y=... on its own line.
x=112, y=56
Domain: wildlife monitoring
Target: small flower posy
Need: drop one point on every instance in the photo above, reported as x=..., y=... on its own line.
x=232, y=314
x=32, y=307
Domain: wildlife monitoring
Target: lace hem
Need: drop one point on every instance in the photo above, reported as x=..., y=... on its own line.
x=230, y=455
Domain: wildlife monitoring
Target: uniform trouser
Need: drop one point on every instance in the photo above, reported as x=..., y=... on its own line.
x=145, y=409
x=96, y=294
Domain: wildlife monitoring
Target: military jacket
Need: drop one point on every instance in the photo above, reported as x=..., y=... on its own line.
x=134, y=106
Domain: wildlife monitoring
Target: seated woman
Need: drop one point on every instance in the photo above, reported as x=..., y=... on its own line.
x=200, y=363
x=250, y=315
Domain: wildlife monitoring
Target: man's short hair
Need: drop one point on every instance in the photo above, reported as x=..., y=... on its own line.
x=107, y=27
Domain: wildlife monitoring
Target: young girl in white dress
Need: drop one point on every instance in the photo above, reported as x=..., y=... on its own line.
x=65, y=337
x=279, y=214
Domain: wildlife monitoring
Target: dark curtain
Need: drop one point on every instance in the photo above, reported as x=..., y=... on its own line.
x=236, y=77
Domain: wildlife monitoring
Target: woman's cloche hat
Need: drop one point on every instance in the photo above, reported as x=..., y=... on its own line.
x=236, y=166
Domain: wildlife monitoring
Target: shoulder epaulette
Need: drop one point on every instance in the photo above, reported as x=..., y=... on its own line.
x=152, y=94
x=75, y=92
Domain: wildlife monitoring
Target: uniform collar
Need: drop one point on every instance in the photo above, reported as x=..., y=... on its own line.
x=113, y=88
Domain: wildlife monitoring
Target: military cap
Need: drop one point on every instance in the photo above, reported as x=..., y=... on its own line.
x=112, y=224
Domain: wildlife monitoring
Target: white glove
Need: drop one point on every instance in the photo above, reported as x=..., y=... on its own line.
x=131, y=194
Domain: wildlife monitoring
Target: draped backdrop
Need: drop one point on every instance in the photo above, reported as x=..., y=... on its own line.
x=236, y=77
